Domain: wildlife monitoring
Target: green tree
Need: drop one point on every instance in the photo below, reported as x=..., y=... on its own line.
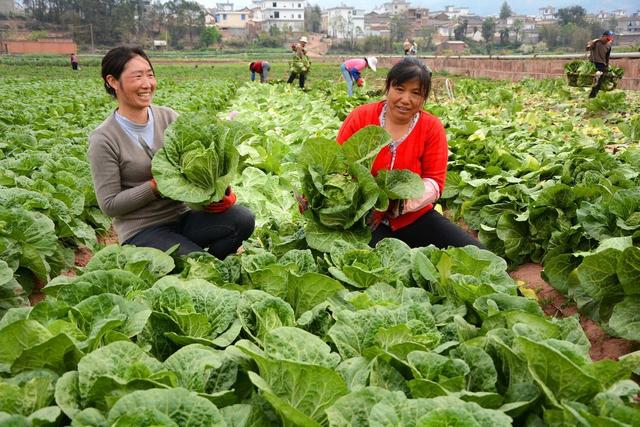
x=518, y=26
x=488, y=29
x=550, y=34
x=399, y=28
x=461, y=30
x=312, y=19
x=573, y=14
x=505, y=11
x=504, y=36
x=209, y=36
x=427, y=33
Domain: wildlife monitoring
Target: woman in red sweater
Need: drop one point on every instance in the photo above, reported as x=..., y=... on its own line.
x=419, y=143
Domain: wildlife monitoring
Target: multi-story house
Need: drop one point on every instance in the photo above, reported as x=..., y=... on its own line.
x=396, y=7
x=281, y=14
x=7, y=6
x=628, y=29
x=547, y=13
x=377, y=24
x=455, y=12
x=343, y=22
x=417, y=18
x=233, y=22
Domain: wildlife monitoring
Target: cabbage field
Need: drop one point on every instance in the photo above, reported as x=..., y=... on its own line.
x=303, y=328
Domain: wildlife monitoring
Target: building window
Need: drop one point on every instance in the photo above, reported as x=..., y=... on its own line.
x=276, y=14
x=299, y=16
x=242, y=17
x=218, y=17
x=275, y=4
x=300, y=5
x=224, y=16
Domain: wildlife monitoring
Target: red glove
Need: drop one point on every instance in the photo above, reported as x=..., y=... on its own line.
x=360, y=82
x=303, y=203
x=375, y=219
x=154, y=186
x=227, y=201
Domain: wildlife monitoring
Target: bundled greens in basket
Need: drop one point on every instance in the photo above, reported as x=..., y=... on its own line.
x=341, y=191
x=583, y=74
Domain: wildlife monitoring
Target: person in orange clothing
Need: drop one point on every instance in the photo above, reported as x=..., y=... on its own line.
x=419, y=144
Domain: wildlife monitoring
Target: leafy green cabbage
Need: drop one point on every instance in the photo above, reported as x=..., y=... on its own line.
x=341, y=191
x=199, y=158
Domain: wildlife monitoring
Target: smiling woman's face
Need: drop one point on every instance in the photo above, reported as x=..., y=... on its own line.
x=404, y=101
x=136, y=85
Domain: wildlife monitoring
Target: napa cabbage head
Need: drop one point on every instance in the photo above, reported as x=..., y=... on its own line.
x=341, y=190
x=199, y=158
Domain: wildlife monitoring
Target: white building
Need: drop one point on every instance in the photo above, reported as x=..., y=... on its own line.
x=547, y=13
x=7, y=6
x=396, y=7
x=343, y=22
x=454, y=12
x=281, y=14
x=224, y=7
x=618, y=13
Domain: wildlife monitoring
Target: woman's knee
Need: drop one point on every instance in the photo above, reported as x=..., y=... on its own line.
x=245, y=221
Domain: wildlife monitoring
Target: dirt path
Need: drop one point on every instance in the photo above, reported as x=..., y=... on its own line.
x=316, y=46
x=555, y=304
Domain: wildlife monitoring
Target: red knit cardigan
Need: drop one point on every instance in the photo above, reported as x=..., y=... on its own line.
x=424, y=151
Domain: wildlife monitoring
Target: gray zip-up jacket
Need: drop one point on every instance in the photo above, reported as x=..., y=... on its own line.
x=121, y=171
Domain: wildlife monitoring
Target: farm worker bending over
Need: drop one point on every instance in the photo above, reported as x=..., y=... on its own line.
x=599, y=52
x=300, y=64
x=260, y=67
x=120, y=154
x=74, y=62
x=419, y=144
x=352, y=70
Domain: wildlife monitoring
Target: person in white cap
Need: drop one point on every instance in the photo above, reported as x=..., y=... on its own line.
x=300, y=64
x=352, y=70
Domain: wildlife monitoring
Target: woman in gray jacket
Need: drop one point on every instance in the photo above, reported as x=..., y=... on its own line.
x=120, y=154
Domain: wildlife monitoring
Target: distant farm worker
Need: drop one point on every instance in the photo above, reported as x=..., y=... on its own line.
x=414, y=48
x=120, y=154
x=352, y=70
x=260, y=67
x=419, y=144
x=74, y=62
x=406, y=46
x=300, y=64
x=599, y=52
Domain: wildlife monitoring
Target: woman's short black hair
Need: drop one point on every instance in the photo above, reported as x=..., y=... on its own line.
x=408, y=69
x=115, y=60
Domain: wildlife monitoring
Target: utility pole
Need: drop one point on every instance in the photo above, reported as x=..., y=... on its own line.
x=91, y=31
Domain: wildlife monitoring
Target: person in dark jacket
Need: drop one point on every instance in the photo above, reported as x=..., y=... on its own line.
x=599, y=52
x=260, y=67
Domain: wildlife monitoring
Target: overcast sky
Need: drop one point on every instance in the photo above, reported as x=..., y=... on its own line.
x=529, y=7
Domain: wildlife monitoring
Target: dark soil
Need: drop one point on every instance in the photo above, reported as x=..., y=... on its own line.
x=82, y=256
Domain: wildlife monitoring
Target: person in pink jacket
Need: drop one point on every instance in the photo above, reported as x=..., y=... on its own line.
x=352, y=70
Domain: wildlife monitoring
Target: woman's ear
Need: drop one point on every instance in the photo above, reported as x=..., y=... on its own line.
x=112, y=82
